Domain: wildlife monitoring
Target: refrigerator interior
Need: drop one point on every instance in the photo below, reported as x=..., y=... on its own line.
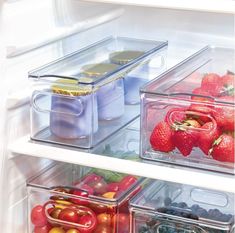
x=33, y=33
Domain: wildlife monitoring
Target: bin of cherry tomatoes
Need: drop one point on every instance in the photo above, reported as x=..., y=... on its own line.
x=71, y=199
x=188, y=112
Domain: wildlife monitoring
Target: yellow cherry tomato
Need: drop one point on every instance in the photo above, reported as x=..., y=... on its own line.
x=104, y=219
x=61, y=204
x=109, y=195
x=56, y=230
x=72, y=231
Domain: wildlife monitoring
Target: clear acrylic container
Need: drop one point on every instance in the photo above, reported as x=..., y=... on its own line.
x=80, y=199
x=187, y=113
x=81, y=99
x=164, y=207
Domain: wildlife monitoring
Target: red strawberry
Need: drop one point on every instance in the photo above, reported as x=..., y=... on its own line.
x=228, y=84
x=212, y=83
x=185, y=136
x=223, y=149
x=161, y=138
x=225, y=114
x=209, y=132
x=175, y=115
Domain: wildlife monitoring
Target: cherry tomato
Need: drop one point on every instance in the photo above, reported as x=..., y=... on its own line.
x=100, y=208
x=103, y=229
x=89, y=221
x=88, y=191
x=126, y=182
x=104, y=218
x=44, y=229
x=38, y=217
x=57, y=230
x=55, y=213
x=99, y=187
x=73, y=231
x=121, y=222
x=91, y=178
x=62, y=191
x=69, y=215
x=113, y=187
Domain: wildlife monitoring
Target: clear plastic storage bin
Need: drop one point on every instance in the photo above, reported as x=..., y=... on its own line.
x=187, y=113
x=71, y=199
x=85, y=97
x=164, y=207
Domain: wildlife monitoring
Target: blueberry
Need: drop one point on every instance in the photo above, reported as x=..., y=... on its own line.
x=193, y=216
x=202, y=212
x=167, y=201
x=195, y=207
x=174, y=204
x=143, y=229
x=182, y=205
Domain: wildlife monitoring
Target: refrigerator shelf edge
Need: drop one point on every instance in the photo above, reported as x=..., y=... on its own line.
x=217, y=6
x=221, y=182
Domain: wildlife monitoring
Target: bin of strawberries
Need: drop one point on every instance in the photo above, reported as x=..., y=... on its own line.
x=187, y=114
x=67, y=199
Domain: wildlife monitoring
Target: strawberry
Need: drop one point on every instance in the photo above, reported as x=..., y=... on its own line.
x=212, y=84
x=224, y=115
x=223, y=149
x=185, y=136
x=161, y=137
x=228, y=84
x=209, y=132
x=175, y=115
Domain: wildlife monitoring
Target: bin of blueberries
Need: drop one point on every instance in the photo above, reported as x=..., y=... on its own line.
x=188, y=112
x=165, y=207
x=83, y=98
x=67, y=198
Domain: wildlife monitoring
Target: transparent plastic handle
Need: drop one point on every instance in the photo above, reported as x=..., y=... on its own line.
x=170, y=121
x=38, y=95
x=81, y=210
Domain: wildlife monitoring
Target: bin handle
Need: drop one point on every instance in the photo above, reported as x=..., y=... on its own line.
x=39, y=94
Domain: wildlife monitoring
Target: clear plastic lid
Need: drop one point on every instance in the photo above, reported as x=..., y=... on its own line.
x=207, y=76
x=102, y=60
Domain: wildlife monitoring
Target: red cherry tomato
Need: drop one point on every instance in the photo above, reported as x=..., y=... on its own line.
x=126, y=182
x=79, y=201
x=105, y=219
x=38, y=217
x=44, y=229
x=89, y=221
x=103, y=229
x=113, y=187
x=121, y=222
x=100, y=187
x=90, y=178
x=69, y=215
x=100, y=208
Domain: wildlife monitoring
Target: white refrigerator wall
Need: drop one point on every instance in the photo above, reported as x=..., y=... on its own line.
x=27, y=24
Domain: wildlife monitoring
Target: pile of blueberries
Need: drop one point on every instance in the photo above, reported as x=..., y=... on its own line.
x=181, y=209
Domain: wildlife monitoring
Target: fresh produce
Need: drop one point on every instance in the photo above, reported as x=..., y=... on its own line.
x=38, y=217
x=223, y=149
x=185, y=136
x=183, y=210
x=161, y=137
x=209, y=117
x=76, y=210
x=209, y=132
